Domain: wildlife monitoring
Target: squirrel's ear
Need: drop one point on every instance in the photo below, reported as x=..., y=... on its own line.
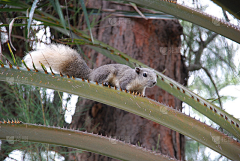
x=137, y=70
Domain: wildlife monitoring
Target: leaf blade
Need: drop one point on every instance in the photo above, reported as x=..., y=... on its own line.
x=86, y=18
x=144, y=107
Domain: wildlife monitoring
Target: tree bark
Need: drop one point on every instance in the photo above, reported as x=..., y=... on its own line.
x=155, y=43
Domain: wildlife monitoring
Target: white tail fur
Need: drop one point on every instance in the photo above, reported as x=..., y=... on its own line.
x=54, y=55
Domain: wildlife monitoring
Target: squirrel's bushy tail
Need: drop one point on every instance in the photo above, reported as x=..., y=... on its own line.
x=61, y=58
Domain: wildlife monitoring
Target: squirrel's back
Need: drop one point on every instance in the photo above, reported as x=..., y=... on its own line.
x=61, y=58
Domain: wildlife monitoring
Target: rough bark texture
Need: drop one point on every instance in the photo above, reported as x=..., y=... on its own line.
x=146, y=41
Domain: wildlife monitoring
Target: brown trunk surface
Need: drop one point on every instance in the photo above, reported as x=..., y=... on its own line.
x=146, y=41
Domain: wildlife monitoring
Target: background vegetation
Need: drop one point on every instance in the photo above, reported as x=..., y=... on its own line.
x=205, y=52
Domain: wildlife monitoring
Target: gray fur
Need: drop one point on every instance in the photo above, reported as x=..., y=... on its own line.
x=127, y=78
x=77, y=68
x=125, y=81
x=67, y=61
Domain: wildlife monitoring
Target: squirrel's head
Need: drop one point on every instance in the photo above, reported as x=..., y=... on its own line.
x=147, y=76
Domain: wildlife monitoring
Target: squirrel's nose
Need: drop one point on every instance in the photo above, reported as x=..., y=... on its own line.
x=154, y=83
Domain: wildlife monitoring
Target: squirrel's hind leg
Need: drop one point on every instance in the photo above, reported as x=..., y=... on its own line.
x=103, y=75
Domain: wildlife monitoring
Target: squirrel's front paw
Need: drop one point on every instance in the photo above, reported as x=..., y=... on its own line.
x=105, y=83
x=143, y=94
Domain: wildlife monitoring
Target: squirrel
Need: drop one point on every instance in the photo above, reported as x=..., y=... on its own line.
x=66, y=60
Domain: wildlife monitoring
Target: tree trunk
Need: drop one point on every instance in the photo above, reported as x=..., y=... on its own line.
x=146, y=41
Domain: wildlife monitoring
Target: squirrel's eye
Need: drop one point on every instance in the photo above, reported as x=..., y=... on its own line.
x=145, y=74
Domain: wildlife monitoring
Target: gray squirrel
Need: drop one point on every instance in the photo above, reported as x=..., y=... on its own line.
x=66, y=60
